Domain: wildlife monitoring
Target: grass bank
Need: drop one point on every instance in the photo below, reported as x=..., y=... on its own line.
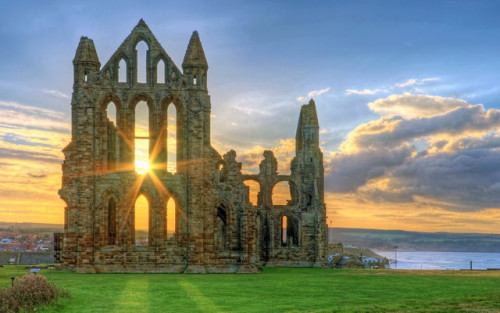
x=276, y=290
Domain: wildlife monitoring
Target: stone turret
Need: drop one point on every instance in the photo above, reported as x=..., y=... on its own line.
x=308, y=162
x=308, y=128
x=195, y=64
x=86, y=61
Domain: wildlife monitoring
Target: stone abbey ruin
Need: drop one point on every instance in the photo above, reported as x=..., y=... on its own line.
x=217, y=229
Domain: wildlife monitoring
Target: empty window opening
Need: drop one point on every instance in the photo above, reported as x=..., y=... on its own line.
x=141, y=138
x=86, y=77
x=220, y=172
x=141, y=221
x=281, y=194
x=111, y=113
x=172, y=139
x=142, y=51
x=253, y=191
x=284, y=224
x=111, y=221
x=220, y=231
x=309, y=199
x=289, y=231
x=160, y=72
x=112, y=133
x=194, y=80
x=122, y=71
x=171, y=219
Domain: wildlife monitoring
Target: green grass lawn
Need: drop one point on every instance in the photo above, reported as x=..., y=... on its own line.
x=276, y=290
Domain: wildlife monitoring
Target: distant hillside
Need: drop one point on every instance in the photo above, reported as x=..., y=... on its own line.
x=31, y=227
x=385, y=240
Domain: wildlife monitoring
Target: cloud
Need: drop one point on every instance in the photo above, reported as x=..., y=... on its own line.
x=41, y=175
x=284, y=152
x=364, y=91
x=392, y=131
x=312, y=94
x=409, y=83
x=28, y=155
x=251, y=111
x=56, y=93
x=414, y=106
x=350, y=171
x=451, y=156
x=315, y=93
x=465, y=181
x=20, y=115
x=415, y=82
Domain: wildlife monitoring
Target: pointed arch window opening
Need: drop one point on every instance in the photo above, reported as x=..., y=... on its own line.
x=221, y=228
x=141, y=221
x=112, y=136
x=122, y=71
x=141, y=66
x=253, y=191
x=220, y=172
x=160, y=72
x=171, y=139
x=289, y=231
x=141, y=140
x=171, y=219
x=284, y=225
x=282, y=193
x=111, y=221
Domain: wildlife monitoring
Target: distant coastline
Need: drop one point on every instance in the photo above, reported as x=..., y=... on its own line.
x=31, y=227
x=386, y=240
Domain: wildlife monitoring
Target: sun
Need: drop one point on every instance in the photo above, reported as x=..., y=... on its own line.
x=142, y=167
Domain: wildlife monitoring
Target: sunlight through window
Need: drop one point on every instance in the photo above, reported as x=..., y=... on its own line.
x=281, y=193
x=170, y=218
x=141, y=221
x=253, y=193
x=284, y=221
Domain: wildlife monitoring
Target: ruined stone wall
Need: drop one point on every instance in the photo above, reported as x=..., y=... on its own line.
x=26, y=258
x=217, y=228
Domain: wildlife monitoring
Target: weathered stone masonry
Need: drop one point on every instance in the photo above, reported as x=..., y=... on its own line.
x=217, y=228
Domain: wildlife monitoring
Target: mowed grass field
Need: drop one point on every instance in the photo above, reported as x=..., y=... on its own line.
x=276, y=290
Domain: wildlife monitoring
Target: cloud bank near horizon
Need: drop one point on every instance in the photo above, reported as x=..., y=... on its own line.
x=441, y=149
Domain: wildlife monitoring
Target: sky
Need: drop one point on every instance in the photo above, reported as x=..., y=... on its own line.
x=407, y=94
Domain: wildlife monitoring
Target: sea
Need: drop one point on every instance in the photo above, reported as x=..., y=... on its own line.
x=441, y=260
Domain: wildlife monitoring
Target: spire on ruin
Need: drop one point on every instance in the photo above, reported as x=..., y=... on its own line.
x=308, y=127
x=141, y=25
x=86, y=53
x=308, y=115
x=195, y=56
x=312, y=114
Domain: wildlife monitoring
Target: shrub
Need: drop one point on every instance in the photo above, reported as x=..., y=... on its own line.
x=29, y=292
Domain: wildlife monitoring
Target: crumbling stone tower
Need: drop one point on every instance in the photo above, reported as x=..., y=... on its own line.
x=217, y=229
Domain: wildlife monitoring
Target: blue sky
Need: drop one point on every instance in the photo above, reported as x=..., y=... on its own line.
x=438, y=60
